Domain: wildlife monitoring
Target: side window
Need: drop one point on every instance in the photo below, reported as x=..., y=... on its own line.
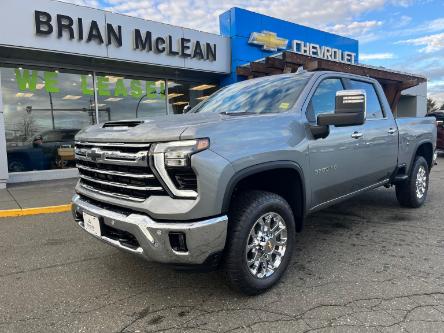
x=374, y=109
x=324, y=98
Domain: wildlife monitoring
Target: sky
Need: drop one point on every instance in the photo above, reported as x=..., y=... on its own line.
x=406, y=35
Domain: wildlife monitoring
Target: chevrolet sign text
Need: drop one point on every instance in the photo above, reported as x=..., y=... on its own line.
x=324, y=52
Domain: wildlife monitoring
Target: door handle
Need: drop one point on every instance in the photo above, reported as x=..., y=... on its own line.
x=356, y=135
x=392, y=130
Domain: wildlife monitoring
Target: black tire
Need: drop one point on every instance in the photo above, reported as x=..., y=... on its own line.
x=246, y=211
x=17, y=165
x=406, y=192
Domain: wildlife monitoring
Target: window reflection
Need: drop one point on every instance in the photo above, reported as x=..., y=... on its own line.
x=43, y=110
x=127, y=98
x=264, y=95
x=183, y=96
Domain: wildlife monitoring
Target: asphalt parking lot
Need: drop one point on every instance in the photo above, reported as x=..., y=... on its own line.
x=364, y=265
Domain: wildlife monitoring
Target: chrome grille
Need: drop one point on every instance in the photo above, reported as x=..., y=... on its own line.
x=117, y=170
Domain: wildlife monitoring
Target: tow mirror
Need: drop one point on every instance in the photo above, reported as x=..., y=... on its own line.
x=350, y=109
x=186, y=108
x=37, y=141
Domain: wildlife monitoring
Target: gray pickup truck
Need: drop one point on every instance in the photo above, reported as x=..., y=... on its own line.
x=232, y=180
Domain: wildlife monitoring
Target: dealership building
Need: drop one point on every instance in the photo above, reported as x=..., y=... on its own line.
x=64, y=67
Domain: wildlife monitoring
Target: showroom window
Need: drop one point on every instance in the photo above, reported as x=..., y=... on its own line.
x=122, y=97
x=185, y=95
x=43, y=110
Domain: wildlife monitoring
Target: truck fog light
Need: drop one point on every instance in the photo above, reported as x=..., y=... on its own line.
x=178, y=241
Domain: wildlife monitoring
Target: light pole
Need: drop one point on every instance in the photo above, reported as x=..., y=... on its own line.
x=138, y=104
x=51, y=104
x=52, y=110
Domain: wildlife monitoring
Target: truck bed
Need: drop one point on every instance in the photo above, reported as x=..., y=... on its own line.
x=414, y=131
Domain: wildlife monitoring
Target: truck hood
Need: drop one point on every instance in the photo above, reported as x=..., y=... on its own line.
x=164, y=128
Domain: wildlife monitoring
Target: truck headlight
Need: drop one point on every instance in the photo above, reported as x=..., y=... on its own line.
x=176, y=155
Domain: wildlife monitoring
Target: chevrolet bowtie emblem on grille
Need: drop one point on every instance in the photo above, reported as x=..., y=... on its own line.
x=268, y=40
x=94, y=154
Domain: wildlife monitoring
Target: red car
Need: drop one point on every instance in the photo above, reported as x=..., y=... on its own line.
x=440, y=125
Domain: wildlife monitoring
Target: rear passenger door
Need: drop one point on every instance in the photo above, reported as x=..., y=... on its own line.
x=380, y=140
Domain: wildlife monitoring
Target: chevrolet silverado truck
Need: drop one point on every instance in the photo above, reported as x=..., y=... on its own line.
x=232, y=180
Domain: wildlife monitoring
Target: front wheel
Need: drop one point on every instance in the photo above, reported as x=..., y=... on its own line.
x=413, y=191
x=260, y=241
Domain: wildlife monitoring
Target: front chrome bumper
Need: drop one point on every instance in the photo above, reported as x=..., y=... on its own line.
x=203, y=238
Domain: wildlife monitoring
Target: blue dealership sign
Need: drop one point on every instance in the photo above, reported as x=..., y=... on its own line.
x=255, y=36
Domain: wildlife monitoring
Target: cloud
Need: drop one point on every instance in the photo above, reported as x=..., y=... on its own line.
x=376, y=56
x=355, y=28
x=431, y=26
x=436, y=91
x=359, y=30
x=401, y=22
x=402, y=3
x=88, y=3
x=203, y=14
x=427, y=27
x=431, y=43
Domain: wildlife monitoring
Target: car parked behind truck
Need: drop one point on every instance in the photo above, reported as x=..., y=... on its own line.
x=439, y=116
x=40, y=153
x=232, y=181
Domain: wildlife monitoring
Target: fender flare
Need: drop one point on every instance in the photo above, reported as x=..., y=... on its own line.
x=266, y=166
x=415, y=152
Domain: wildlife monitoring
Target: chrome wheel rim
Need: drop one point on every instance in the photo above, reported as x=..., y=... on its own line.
x=266, y=245
x=421, y=182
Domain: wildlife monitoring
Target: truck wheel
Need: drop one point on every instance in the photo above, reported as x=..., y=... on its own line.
x=17, y=165
x=413, y=191
x=260, y=241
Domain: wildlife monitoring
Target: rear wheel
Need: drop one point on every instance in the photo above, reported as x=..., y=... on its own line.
x=260, y=241
x=17, y=165
x=413, y=191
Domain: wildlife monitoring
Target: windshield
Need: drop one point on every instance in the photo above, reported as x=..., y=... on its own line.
x=271, y=94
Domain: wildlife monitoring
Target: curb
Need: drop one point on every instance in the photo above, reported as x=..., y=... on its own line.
x=35, y=211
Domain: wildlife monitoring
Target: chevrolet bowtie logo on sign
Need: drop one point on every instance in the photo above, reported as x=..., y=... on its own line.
x=268, y=40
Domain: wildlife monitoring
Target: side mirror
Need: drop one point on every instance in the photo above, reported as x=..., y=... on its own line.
x=350, y=109
x=186, y=108
x=37, y=141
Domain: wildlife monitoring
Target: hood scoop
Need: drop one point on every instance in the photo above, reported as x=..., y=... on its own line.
x=122, y=124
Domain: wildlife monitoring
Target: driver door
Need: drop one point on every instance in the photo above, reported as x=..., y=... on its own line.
x=336, y=162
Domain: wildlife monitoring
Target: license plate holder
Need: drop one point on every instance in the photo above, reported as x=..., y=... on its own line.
x=92, y=224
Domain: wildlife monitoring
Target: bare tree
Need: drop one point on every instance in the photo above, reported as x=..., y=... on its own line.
x=28, y=127
x=432, y=106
